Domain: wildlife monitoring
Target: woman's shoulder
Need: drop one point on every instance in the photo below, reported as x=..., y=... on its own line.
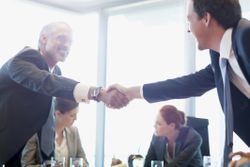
x=189, y=132
x=71, y=129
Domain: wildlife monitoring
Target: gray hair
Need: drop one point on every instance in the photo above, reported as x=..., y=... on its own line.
x=49, y=29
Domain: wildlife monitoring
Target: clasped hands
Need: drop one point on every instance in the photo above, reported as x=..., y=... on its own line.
x=115, y=96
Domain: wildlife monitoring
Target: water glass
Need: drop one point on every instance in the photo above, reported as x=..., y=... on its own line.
x=76, y=162
x=206, y=161
x=157, y=163
x=138, y=162
x=47, y=163
x=58, y=162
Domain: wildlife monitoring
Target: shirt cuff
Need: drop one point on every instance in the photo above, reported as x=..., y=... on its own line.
x=141, y=92
x=81, y=93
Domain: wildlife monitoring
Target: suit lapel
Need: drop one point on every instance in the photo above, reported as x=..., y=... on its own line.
x=241, y=47
x=162, y=149
x=69, y=138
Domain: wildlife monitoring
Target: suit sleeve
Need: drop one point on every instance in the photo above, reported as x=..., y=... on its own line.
x=30, y=71
x=192, y=146
x=183, y=87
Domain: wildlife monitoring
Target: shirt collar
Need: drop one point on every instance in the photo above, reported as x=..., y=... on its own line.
x=51, y=69
x=226, y=44
x=64, y=134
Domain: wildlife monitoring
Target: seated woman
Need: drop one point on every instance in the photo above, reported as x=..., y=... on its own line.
x=67, y=140
x=173, y=142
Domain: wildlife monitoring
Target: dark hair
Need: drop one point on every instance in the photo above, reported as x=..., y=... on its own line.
x=64, y=105
x=172, y=115
x=226, y=12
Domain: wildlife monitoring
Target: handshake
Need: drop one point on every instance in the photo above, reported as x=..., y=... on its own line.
x=117, y=96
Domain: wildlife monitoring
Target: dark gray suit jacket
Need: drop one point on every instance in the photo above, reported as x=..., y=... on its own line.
x=26, y=87
x=187, y=150
x=210, y=77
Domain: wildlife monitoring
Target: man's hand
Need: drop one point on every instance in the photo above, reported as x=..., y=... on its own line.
x=131, y=92
x=243, y=161
x=113, y=98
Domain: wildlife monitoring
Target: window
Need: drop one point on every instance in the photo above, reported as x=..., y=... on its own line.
x=141, y=49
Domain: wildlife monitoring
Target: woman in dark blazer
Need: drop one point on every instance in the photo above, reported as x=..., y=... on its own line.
x=175, y=144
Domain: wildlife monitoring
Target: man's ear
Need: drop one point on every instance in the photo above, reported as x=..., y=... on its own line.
x=57, y=113
x=207, y=19
x=43, y=39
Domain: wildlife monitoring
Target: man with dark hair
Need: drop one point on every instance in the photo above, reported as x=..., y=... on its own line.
x=217, y=25
x=220, y=11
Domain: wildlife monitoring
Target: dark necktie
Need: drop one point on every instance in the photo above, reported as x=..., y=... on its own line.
x=48, y=133
x=227, y=108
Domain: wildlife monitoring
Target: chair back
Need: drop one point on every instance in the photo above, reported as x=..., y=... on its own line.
x=201, y=126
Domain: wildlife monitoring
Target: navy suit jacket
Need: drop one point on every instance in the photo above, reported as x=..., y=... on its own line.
x=187, y=149
x=198, y=83
x=27, y=87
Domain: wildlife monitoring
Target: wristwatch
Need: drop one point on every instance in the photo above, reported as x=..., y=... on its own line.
x=94, y=92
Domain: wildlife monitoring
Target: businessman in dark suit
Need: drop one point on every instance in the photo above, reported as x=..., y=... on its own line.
x=219, y=27
x=28, y=81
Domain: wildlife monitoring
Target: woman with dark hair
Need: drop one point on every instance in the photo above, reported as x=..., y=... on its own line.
x=67, y=140
x=173, y=142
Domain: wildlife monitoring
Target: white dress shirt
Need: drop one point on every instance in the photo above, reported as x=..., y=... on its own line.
x=81, y=93
x=61, y=150
x=235, y=74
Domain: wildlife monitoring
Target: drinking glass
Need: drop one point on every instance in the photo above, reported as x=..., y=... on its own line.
x=58, y=162
x=206, y=161
x=138, y=162
x=47, y=163
x=76, y=162
x=157, y=163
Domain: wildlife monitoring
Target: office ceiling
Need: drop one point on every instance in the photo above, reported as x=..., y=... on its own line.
x=83, y=6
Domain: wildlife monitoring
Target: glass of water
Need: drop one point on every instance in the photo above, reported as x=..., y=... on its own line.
x=157, y=163
x=58, y=162
x=76, y=162
x=206, y=161
x=47, y=163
